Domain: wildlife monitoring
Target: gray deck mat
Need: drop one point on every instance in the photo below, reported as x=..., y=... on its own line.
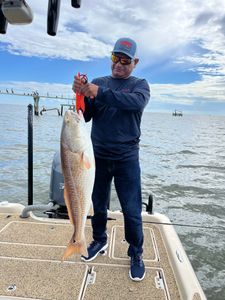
x=30, y=259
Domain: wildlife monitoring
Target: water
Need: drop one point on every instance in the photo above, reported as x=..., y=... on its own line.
x=183, y=166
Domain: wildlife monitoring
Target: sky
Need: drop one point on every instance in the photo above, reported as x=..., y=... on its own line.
x=181, y=47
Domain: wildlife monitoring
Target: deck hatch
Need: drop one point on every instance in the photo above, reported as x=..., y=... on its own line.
x=35, y=233
x=42, y=279
x=113, y=282
x=120, y=246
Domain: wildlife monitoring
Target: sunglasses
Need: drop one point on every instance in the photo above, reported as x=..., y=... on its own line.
x=124, y=61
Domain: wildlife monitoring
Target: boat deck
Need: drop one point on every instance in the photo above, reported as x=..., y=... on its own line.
x=31, y=267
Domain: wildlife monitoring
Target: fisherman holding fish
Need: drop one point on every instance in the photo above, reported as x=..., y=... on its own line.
x=115, y=104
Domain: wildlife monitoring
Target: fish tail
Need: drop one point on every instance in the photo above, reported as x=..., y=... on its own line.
x=76, y=247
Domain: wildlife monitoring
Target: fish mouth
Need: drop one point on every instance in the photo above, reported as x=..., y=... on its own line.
x=75, y=116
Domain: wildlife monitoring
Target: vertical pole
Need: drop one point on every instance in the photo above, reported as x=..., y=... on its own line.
x=30, y=154
x=3, y=21
x=76, y=3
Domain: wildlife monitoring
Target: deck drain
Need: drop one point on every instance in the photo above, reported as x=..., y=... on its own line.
x=11, y=288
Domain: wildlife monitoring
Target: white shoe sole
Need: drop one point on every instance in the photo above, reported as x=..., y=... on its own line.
x=136, y=278
x=93, y=257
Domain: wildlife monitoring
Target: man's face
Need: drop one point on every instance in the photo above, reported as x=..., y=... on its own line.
x=120, y=70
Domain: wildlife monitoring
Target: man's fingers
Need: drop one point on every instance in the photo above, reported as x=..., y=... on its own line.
x=77, y=84
x=88, y=89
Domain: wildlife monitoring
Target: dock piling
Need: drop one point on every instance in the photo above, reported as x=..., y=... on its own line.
x=36, y=104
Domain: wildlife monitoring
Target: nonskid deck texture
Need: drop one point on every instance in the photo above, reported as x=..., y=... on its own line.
x=31, y=267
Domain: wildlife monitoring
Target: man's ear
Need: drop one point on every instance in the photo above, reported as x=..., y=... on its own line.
x=136, y=60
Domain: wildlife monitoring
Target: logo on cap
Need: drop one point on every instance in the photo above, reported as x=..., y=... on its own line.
x=126, y=44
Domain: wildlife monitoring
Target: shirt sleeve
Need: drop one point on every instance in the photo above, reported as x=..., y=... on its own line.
x=134, y=101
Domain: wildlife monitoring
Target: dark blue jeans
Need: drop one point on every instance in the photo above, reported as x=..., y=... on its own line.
x=127, y=182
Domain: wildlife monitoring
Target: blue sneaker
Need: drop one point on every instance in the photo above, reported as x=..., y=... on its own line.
x=137, y=268
x=94, y=249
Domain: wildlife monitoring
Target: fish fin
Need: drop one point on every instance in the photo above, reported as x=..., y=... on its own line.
x=85, y=160
x=77, y=247
x=67, y=205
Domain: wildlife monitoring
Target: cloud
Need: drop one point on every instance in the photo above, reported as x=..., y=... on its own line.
x=158, y=26
x=208, y=33
x=203, y=18
x=162, y=29
x=208, y=89
x=32, y=40
x=184, y=32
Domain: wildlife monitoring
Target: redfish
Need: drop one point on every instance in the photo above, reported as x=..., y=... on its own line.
x=78, y=167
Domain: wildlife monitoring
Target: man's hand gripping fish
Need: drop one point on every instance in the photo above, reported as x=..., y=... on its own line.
x=78, y=166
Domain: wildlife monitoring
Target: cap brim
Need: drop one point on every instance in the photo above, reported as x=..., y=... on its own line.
x=124, y=52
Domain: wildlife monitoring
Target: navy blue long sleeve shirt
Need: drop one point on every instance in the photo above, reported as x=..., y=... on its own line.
x=116, y=115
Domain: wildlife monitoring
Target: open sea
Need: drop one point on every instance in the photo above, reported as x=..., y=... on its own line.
x=183, y=166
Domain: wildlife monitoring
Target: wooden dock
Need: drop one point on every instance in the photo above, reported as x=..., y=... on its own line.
x=70, y=106
x=36, y=98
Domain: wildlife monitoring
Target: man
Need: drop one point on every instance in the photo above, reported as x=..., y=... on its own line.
x=115, y=104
